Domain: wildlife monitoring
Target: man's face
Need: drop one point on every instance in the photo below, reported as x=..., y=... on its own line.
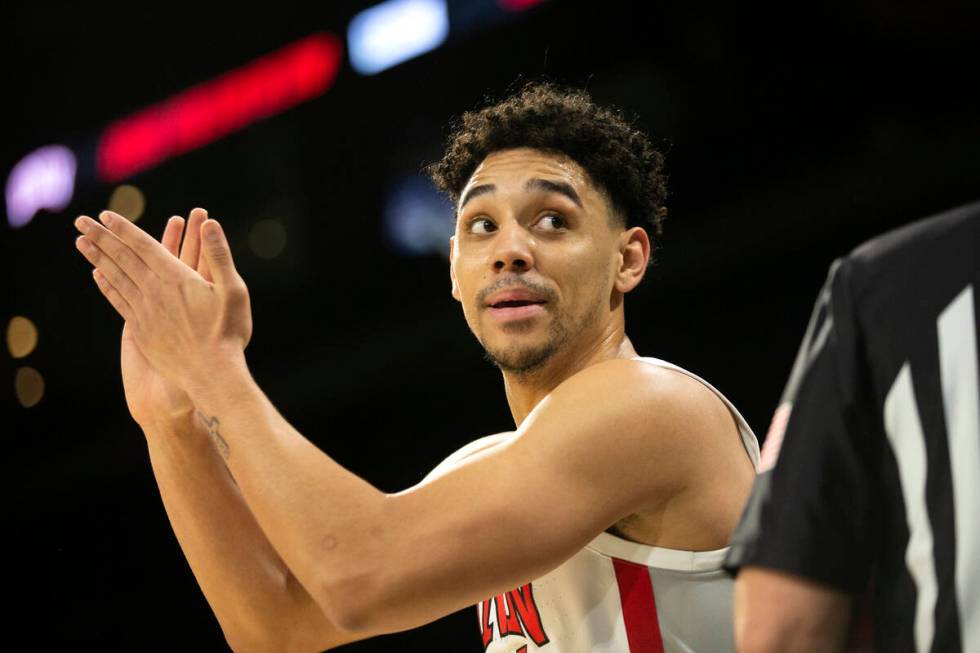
x=534, y=257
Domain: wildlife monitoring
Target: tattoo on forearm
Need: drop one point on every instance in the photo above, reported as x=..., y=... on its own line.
x=212, y=423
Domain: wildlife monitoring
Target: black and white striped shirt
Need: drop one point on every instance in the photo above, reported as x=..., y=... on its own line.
x=871, y=470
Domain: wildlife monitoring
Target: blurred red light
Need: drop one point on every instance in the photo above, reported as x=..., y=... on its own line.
x=518, y=5
x=215, y=108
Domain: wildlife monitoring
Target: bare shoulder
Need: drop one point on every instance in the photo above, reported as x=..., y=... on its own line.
x=660, y=399
x=685, y=454
x=642, y=425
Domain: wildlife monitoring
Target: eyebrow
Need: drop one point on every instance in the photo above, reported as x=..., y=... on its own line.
x=543, y=185
x=476, y=191
x=559, y=187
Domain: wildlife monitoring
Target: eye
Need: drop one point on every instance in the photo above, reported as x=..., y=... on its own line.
x=553, y=222
x=481, y=226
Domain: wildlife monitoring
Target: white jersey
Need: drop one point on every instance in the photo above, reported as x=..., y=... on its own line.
x=619, y=596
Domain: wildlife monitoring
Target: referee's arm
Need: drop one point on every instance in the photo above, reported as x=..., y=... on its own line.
x=775, y=611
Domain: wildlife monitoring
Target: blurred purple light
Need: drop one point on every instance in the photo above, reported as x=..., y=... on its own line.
x=44, y=179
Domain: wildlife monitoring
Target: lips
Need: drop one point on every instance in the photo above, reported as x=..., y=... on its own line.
x=515, y=304
x=513, y=298
x=516, y=311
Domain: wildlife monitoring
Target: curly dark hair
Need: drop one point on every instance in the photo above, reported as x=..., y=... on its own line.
x=618, y=158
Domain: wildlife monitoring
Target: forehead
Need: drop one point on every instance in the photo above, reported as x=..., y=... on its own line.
x=515, y=166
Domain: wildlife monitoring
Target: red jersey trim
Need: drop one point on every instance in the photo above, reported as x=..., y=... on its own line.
x=639, y=607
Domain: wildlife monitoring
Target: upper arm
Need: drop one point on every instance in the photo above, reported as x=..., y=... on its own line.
x=596, y=449
x=781, y=612
x=474, y=447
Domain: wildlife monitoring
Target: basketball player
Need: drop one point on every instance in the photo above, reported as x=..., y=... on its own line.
x=878, y=451
x=599, y=524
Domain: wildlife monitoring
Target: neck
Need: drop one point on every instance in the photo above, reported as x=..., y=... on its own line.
x=525, y=391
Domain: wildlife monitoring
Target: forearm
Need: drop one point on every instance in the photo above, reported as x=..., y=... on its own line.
x=254, y=596
x=324, y=521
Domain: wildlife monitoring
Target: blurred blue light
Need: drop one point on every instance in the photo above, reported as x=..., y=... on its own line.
x=418, y=220
x=392, y=32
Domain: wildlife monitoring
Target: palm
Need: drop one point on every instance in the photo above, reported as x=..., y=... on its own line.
x=149, y=396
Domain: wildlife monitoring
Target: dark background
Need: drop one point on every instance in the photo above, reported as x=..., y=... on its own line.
x=792, y=135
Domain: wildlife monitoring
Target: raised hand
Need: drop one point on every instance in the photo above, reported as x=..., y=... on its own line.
x=179, y=317
x=151, y=398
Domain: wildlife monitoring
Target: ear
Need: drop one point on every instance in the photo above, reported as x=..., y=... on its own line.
x=452, y=271
x=634, y=249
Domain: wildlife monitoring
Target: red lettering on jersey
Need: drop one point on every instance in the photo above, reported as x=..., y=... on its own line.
x=516, y=614
x=521, y=601
x=486, y=630
x=507, y=622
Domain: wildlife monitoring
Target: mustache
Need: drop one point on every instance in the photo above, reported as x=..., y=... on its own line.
x=510, y=282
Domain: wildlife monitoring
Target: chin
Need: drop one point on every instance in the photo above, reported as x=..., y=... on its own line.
x=521, y=361
x=522, y=358
x=521, y=351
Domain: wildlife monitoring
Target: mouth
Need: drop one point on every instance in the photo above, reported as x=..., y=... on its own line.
x=516, y=309
x=515, y=303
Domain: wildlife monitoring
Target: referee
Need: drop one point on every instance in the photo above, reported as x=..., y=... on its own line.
x=870, y=474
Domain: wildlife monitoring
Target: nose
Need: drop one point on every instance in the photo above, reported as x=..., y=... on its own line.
x=513, y=249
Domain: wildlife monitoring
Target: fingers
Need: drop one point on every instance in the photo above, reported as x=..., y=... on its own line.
x=217, y=254
x=204, y=270
x=121, y=305
x=149, y=251
x=107, y=247
x=111, y=271
x=172, y=233
x=190, y=251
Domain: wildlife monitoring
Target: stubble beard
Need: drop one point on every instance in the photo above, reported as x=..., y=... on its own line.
x=523, y=361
